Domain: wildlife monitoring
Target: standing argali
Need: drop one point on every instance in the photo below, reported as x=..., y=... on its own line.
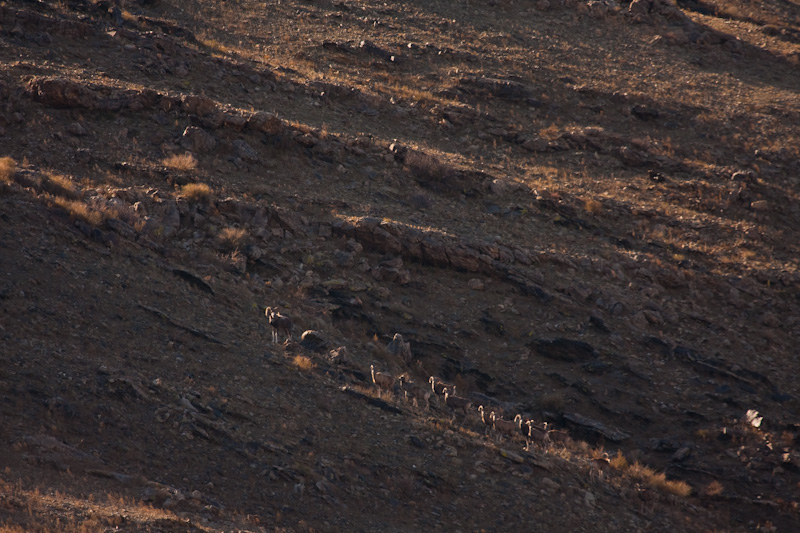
x=399, y=348
x=457, y=403
x=279, y=323
x=381, y=379
x=415, y=392
x=438, y=386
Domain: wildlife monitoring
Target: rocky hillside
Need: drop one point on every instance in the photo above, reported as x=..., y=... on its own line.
x=584, y=213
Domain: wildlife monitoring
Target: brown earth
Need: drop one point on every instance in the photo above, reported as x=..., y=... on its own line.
x=586, y=213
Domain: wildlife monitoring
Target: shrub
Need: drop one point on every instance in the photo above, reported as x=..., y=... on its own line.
x=183, y=162
x=303, y=363
x=714, y=488
x=593, y=206
x=8, y=168
x=231, y=238
x=197, y=192
x=428, y=169
x=79, y=210
x=619, y=462
x=658, y=480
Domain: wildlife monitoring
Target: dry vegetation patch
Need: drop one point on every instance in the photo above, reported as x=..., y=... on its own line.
x=182, y=162
x=197, y=192
x=8, y=168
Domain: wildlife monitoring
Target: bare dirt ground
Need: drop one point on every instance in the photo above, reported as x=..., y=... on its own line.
x=583, y=213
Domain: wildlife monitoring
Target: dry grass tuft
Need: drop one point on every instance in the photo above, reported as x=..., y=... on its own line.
x=79, y=210
x=428, y=169
x=303, y=363
x=619, y=462
x=593, y=206
x=197, y=192
x=215, y=44
x=231, y=238
x=184, y=162
x=658, y=480
x=59, y=185
x=8, y=168
x=714, y=488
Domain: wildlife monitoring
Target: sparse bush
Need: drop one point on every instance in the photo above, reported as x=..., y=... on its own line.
x=303, y=363
x=428, y=169
x=550, y=133
x=184, y=162
x=79, y=210
x=231, y=238
x=8, y=168
x=658, y=480
x=619, y=462
x=714, y=488
x=196, y=192
x=593, y=206
x=703, y=434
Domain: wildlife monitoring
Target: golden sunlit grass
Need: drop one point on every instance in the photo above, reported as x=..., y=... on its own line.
x=657, y=480
x=231, y=238
x=303, y=363
x=8, y=168
x=550, y=133
x=214, y=44
x=59, y=185
x=593, y=206
x=714, y=488
x=79, y=210
x=181, y=162
x=619, y=462
x=196, y=192
x=53, y=511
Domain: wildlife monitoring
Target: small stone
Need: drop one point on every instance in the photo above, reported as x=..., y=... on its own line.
x=198, y=140
x=335, y=284
x=76, y=129
x=549, y=485
x=760, y=205
x=343, y=259
x=265, y=123
x=639, y=320
x=513, y=456
x=653, y=317
x=181, y=71
x=354, y=246
x=499, y=186
x=83, y=156
x=253, y=252
x=476, y=285
x=681, y=454
x=245, y=151
x=122, y=228
x=590, y=499
x=199, y=105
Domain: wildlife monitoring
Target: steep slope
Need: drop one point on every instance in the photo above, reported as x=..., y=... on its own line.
x=583, y=213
